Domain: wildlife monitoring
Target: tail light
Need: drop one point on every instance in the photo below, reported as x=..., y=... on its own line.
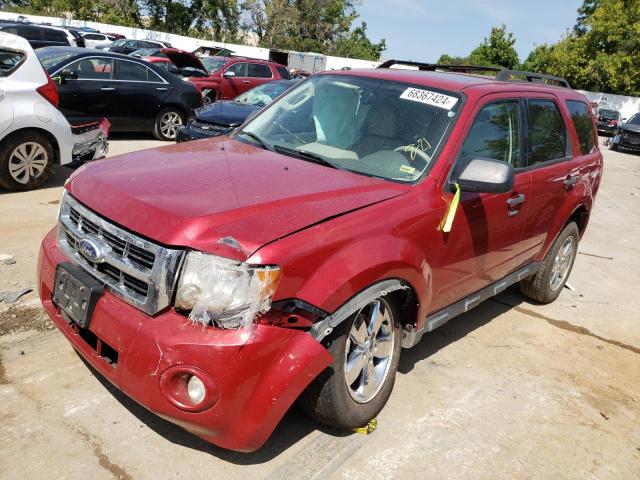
x=49, y=91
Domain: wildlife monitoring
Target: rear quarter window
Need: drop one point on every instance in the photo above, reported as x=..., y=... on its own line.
x=584, y=126
x=9, y=62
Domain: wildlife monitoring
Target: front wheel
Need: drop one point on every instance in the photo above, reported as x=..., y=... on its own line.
x=546, y=285
x=167, y=123
x=366, y=353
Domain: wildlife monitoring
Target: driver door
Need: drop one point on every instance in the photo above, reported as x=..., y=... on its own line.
x=485, y=242
x=234, y=81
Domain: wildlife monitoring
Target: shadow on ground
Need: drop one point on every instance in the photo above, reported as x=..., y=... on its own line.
x=296, y=425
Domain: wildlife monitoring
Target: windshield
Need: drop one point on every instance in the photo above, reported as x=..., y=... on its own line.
x=375, y=127
x=119, y=43
x=264, y=94
x=609, y=114
x=212, y=64
x=50, y=57
x=635, y=120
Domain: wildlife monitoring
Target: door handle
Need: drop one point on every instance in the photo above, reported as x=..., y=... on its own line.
x=571, y=181
x=107, y=89
x=246, y=81
x=162, y=89
x=516, y=200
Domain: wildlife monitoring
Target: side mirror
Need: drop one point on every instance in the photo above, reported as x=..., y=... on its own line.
x=229, y=74
x=487, y=176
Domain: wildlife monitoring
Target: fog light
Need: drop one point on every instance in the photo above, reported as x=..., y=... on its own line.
x=196, y=390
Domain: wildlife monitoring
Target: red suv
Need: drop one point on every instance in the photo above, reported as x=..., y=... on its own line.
x=293, y=259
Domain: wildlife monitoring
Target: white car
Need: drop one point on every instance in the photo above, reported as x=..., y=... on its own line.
x=97, y=40
x=34, y=135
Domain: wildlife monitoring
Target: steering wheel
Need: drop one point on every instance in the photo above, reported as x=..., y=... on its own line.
x=411, y=149
x=306, y=95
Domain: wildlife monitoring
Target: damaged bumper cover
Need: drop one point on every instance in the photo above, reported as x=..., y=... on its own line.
x=90, y=140
x=252, y=375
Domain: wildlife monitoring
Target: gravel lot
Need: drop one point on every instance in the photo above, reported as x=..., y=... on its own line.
x=508, y=390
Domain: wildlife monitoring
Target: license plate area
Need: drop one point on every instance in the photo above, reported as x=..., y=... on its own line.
x=76, y=293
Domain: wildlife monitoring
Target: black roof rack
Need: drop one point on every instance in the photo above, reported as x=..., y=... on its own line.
x=432, y=67
x=502, y=74
x=518, y=76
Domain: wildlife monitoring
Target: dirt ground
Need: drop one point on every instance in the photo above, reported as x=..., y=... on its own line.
x=510, y=390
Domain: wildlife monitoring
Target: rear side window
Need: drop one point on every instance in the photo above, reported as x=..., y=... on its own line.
x=284, y=73
x=92, y=36
x=30, y=33
x=9, y=61
x=54, y=36
x=495, y=134
x=547, y=132
x=584, y=126
x=132, y=72
x=259, y=70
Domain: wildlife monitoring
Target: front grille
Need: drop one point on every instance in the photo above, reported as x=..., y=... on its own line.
x=140, y=272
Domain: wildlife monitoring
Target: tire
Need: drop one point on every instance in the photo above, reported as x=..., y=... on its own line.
x=26, y=161
x=546, y=285
x=167, y=122
x=329, y=399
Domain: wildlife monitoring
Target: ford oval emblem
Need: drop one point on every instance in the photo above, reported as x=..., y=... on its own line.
x=91, y=249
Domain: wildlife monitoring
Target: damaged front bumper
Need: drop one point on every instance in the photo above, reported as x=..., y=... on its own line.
x=252, y=375
x=90, y=141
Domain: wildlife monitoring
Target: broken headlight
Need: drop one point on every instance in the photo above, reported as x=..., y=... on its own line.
x=223, y=292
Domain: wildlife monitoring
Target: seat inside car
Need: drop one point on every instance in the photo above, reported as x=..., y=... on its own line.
x=381, y=131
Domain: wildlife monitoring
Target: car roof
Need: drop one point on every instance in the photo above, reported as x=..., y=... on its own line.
x=454, y=81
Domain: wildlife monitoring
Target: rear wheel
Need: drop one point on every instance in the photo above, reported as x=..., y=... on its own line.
x=26, y=159
x=366, y=352
x=167, y=123
x=546, y=285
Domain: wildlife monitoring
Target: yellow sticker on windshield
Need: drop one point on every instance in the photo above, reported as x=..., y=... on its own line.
x=407, y=169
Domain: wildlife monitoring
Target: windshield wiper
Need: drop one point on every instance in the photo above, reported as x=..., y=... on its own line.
x=304, y=155
x=257, y=139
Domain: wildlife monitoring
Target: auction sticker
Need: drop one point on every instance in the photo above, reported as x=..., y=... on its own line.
x=430, y=98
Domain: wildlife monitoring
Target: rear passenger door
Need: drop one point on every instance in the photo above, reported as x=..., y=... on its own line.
x=553, y=168
x=140, y=93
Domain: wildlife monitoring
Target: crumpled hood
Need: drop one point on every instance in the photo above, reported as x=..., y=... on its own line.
x=221, y=195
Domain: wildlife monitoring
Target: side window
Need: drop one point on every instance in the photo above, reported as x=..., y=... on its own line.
x=30, y=33
x=92, y=36
x=584, y=126
x=9, y=61
x=131, y=44
x=92, y=68
x=54, y=35
x=547, y=132
x=259, y=70
x=284, y=73
x=132, y=72
x=240, y=69
x=495, y=134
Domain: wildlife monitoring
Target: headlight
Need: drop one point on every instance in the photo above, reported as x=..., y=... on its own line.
x=227, y=293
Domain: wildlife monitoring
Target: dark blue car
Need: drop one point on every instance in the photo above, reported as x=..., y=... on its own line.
x=223, y=116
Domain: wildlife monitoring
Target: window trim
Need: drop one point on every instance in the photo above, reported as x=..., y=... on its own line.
x=568, y=147
x=162, y=80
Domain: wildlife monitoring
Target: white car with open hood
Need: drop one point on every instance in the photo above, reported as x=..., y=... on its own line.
x=34, y=135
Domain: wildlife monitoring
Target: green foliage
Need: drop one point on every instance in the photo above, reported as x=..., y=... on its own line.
x=494, y=51
x=601, y=54
x=322, y=26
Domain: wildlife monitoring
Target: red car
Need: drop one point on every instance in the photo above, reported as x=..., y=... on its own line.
x=217, y=282
x=218, y=78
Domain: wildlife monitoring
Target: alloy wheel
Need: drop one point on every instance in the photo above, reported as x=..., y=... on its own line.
x=27, y=162
x=170, y=122
x=369, y=350
x=562, y=263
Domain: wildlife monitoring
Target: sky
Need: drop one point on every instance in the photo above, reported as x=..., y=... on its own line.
x=422, y=30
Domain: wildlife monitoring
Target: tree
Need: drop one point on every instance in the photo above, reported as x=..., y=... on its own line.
x=497, y=50
x=357, y=45
x=584, y=12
